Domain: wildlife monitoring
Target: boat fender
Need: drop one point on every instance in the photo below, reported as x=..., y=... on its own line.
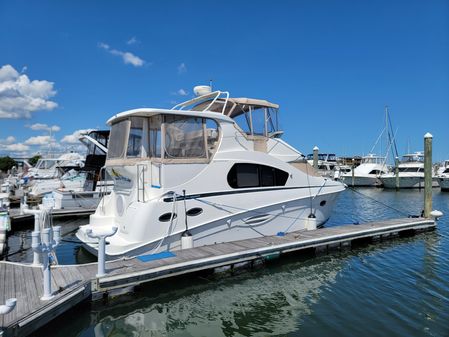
x=280, y=234
x=186, y=240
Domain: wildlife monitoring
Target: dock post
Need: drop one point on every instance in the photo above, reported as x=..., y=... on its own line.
x=37, y=227
x=396, y=171
x=44, y=245
x=101, y=271
x=315, y=157
x=427, y=174
x=36, y=254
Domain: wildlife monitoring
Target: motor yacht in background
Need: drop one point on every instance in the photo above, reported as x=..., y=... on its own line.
x=367, y=173
x=213, y=167
x=50, y=174
x=372, y=166
x=411, y=172
x=442, y=176
x=327, y=163
x=96, y=183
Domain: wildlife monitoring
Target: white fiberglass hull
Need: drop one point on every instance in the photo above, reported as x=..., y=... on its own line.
x=409, y=181
x=222, y=219
x=44, y=186
x=444, y=183
x=369, y=180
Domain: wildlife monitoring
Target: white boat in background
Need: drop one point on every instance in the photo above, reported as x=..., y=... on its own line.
x=367, y=173
x=50, y=168
x=53, y=173
x=213, y=167
x=95, y=183
x=340, y=170
x=327, y=163
x=411, y=172
x=442, y=176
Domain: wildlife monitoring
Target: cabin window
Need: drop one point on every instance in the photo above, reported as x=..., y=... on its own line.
x=154, y=136
x=254, y=175
x=135, y=137
x=184, y=137
x=119, y=135
x=376, y=172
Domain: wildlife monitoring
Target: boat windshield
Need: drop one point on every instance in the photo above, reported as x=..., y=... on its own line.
x=418, y=157
x=372, y=160
x=254, y=117
x=45, y=164
x=163, y=136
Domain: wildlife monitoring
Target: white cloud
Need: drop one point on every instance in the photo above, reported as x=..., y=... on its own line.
x=127, y=57
x=38, y=140
x=45, y=127
x=182, y=92
x=74, y=137
x=182, y=68
x=20, y=97
x=8, y=140
x=132, y=40
x=19, y=147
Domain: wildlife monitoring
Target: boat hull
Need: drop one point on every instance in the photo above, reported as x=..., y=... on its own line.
x=361, y=181
x=230, y=223
x=444, y=183
x=406, y=182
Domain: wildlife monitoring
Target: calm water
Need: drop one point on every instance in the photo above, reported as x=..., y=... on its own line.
x=395, y=288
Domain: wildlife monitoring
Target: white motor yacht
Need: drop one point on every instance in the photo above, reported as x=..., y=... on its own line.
x=411, y=172
x=95, y=184
x=443, y=176
x=50, y=174
x=213, y=167
x=367, y=173
x=327, y=163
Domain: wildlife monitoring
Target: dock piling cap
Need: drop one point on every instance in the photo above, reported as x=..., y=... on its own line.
x=428, y=135
x=315, y=148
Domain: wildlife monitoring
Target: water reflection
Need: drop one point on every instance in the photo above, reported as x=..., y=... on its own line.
x=272, y=301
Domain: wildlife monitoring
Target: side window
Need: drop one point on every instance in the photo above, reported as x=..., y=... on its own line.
x=135, y=137
x=184, y=137
x=154, y=136
x=253, y=175
x=119, y=134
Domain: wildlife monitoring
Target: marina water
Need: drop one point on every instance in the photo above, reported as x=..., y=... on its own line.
x=397, y=287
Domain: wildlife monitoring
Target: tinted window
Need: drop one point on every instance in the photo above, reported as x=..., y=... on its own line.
x=253, y=175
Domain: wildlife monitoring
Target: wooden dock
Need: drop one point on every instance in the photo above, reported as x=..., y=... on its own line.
x=78, y=283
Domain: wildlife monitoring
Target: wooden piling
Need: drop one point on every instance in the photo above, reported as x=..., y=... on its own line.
x=427, y=174
x=315, y=157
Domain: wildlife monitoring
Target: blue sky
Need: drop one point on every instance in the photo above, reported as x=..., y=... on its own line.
x=331, y=65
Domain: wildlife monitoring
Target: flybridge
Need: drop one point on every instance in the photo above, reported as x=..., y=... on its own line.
x=255, y=117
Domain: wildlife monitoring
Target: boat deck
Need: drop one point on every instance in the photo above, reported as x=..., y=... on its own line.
x=77, y=283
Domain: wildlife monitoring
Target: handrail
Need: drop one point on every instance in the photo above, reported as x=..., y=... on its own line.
x=214, y=95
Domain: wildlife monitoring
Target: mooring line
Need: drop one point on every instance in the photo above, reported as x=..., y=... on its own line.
x=379, y=202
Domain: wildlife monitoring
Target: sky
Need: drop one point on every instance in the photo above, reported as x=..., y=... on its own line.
x=331, y=65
